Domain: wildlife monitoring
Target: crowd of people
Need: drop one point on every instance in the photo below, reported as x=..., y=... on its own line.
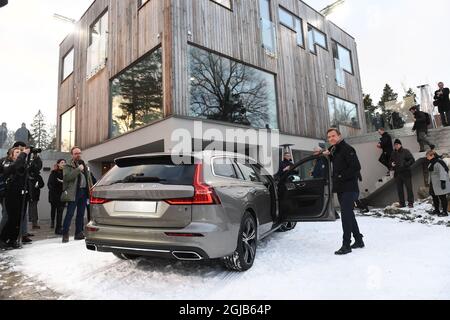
x=20, y=189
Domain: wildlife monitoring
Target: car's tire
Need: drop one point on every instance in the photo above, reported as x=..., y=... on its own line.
x=125, y=256
x=244, y=256
x=286, y=227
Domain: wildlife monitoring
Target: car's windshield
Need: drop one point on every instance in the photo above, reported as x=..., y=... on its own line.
x=163, y=173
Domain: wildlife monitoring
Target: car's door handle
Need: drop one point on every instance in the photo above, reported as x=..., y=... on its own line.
x=302, y=185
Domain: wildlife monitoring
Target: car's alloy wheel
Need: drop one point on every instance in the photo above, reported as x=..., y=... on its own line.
x=244, y=256
x=288, y=226
x=126, y=256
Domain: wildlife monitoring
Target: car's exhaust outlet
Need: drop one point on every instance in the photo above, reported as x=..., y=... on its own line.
x=186, y=256
x=91, y=247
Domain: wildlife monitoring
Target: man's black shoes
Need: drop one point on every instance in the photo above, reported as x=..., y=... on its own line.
x=343, y=251
x=358, y=245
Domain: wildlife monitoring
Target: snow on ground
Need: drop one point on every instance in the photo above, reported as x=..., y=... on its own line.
x=401, y=261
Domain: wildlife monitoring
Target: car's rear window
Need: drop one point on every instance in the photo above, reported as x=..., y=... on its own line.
x=149, y=171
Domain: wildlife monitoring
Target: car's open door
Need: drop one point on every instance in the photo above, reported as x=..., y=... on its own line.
x=305, y=191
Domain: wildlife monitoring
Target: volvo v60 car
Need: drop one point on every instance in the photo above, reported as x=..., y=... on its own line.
x=216, y=206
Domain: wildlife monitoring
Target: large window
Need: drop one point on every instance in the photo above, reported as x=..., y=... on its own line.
x=98, y=45
x=343, y=112
x=268, y=30
x=137, y=95
x=316, y=38
x=294, y=23
x=68, y=64
x=225, y=90
x=68, y=130
x=225, y=3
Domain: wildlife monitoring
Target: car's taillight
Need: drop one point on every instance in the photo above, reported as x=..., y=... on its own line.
x=94, y=200
x=203, y=193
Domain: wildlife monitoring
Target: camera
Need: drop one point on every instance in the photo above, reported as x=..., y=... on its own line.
x=35, y=151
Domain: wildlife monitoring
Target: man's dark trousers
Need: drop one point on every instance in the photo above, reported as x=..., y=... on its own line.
x=349, y=225
x=445, y=117
x=405, y=180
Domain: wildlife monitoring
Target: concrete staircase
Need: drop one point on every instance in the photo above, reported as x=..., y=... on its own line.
x=441, y=137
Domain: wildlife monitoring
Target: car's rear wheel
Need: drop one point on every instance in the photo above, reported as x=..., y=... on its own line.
x=288, y=226
x=126, y=256
x=244, y=256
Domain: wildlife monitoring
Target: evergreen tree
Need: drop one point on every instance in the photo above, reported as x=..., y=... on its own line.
x=39, y=131
x=52, y=139
x=411, y=93
x=388, y=95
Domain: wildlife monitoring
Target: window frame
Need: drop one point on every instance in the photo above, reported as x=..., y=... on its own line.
x=100, y=16
x=338, y=44
x=359, y=126
x=314, y=29
x=141, y=3
x=71, y=50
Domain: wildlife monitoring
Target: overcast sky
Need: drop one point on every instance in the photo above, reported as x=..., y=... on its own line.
x=404, y=43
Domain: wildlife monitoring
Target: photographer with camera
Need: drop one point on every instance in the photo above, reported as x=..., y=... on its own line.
x=77, y=181
x=15, y=174
x=3, y=162
x=35, y=184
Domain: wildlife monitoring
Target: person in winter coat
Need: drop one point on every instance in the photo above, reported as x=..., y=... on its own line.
x=346, y=173
x=401, y=162
x=55, y=188
x=421, y=128
x=15, y=173
x=76, y=190
x=386, y=145
x=285, y=165
x=439, y=183
x=442, y=101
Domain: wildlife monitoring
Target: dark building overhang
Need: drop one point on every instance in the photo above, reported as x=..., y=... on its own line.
x=3, y=3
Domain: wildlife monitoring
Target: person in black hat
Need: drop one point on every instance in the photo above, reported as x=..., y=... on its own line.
x=423, y=120
x=401, y=162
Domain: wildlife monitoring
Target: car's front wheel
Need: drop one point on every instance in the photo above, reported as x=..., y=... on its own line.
x=126, y=256
x=288, y=226
x=244, y=256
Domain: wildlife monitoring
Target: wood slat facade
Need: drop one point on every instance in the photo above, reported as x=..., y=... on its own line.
x=303, y=79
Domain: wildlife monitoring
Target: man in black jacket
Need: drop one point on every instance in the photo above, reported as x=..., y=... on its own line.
x=401, y=162
x=346, y=172
x=421, y=127
x=442, y=101
x=386, y=145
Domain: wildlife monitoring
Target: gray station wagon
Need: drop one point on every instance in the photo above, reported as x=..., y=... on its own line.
x=216, y=206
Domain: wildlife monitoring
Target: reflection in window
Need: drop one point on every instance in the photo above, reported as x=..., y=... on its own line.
x=268, y=30
x=343, y=112
x=226, y=90
x=68, y=63
x=316, y=37
x=137, y=95
x=344, y=56
x=68, y=130
x=289, y=20
x=98, y=46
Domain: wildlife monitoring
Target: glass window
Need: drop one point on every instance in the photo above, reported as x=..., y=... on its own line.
x=291, y=21
x=68, y=64
x=248, y=172
x=225, y=3
x=310, y=170
x=343, y=112
x=68, y=130
x=268, y=30
x=344, y=56
x=226, y=90
x=98, y=45
x=316, y=37
x=137, y=95
x=223, y=167
x=286, y=18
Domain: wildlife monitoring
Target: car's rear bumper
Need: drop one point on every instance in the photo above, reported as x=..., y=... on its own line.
x=216, y=241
